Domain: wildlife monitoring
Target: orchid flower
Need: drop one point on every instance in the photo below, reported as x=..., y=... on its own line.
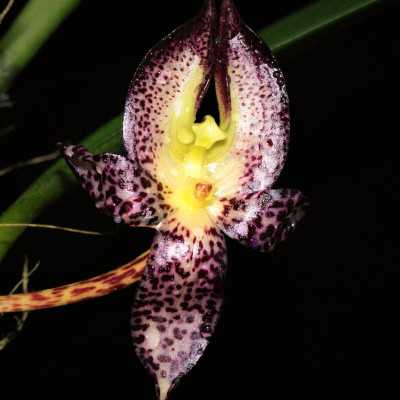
x=194, y=181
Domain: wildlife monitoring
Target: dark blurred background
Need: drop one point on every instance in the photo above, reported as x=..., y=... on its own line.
x=314, y=318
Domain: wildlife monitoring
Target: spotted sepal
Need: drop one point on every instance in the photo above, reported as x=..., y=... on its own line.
x=260, y=220
x=253, y=105
x=179, y=299
x=118, y=186
x=166, y=91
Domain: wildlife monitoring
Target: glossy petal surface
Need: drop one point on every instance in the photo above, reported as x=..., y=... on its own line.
x=195, y=180
x=253, y=107
x=260, y=220
x=179, y=299
x=165, y=94
x=118, y=186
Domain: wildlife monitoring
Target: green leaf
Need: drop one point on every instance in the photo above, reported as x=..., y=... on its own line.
x=30, y=30
x=310, y=20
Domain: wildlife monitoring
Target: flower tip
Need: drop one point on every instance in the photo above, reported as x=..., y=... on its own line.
x=163, y=387
x=227, y=4
x=230, y=20
x=208, y=6
x=228, y=9
x=61, y=147
x=208, y=11
x=68, y=150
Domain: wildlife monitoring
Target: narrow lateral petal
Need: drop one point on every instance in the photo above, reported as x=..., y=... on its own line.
x=118, y=186
x=253, y=105
x=179, y=299
x=260, y=220
x=92, y=288
x=165, y=94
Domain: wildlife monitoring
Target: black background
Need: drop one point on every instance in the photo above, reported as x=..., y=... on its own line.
x=313, y=318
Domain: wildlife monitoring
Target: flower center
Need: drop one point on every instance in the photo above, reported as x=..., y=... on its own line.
x=194, y=190
x=202, y=190
x=193, y=194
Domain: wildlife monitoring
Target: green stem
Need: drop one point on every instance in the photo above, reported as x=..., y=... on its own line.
x=281, y=36
x=30, y=30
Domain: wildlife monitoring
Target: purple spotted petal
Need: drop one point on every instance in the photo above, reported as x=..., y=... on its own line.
x=166, y=91
x=260, y=220
x=253, y=105
x=118, y=186
x=179, y=299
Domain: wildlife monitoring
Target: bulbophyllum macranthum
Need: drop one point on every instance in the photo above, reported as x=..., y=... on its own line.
x=193, y=182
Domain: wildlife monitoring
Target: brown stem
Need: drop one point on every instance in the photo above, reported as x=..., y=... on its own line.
x=61, y=228
x=6, y=10
x=98, y=286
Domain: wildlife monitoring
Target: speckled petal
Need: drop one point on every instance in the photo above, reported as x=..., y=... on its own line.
x=118, y=186
x=253, y=107
x=165, y=94
x=179, y=298
x=260, y=220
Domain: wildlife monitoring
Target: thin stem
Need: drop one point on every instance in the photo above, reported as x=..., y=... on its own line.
x=32, y=161
x=61, y=228
x=25, y=275
x=20, y=320
x=30, y=30
x=6, y=10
